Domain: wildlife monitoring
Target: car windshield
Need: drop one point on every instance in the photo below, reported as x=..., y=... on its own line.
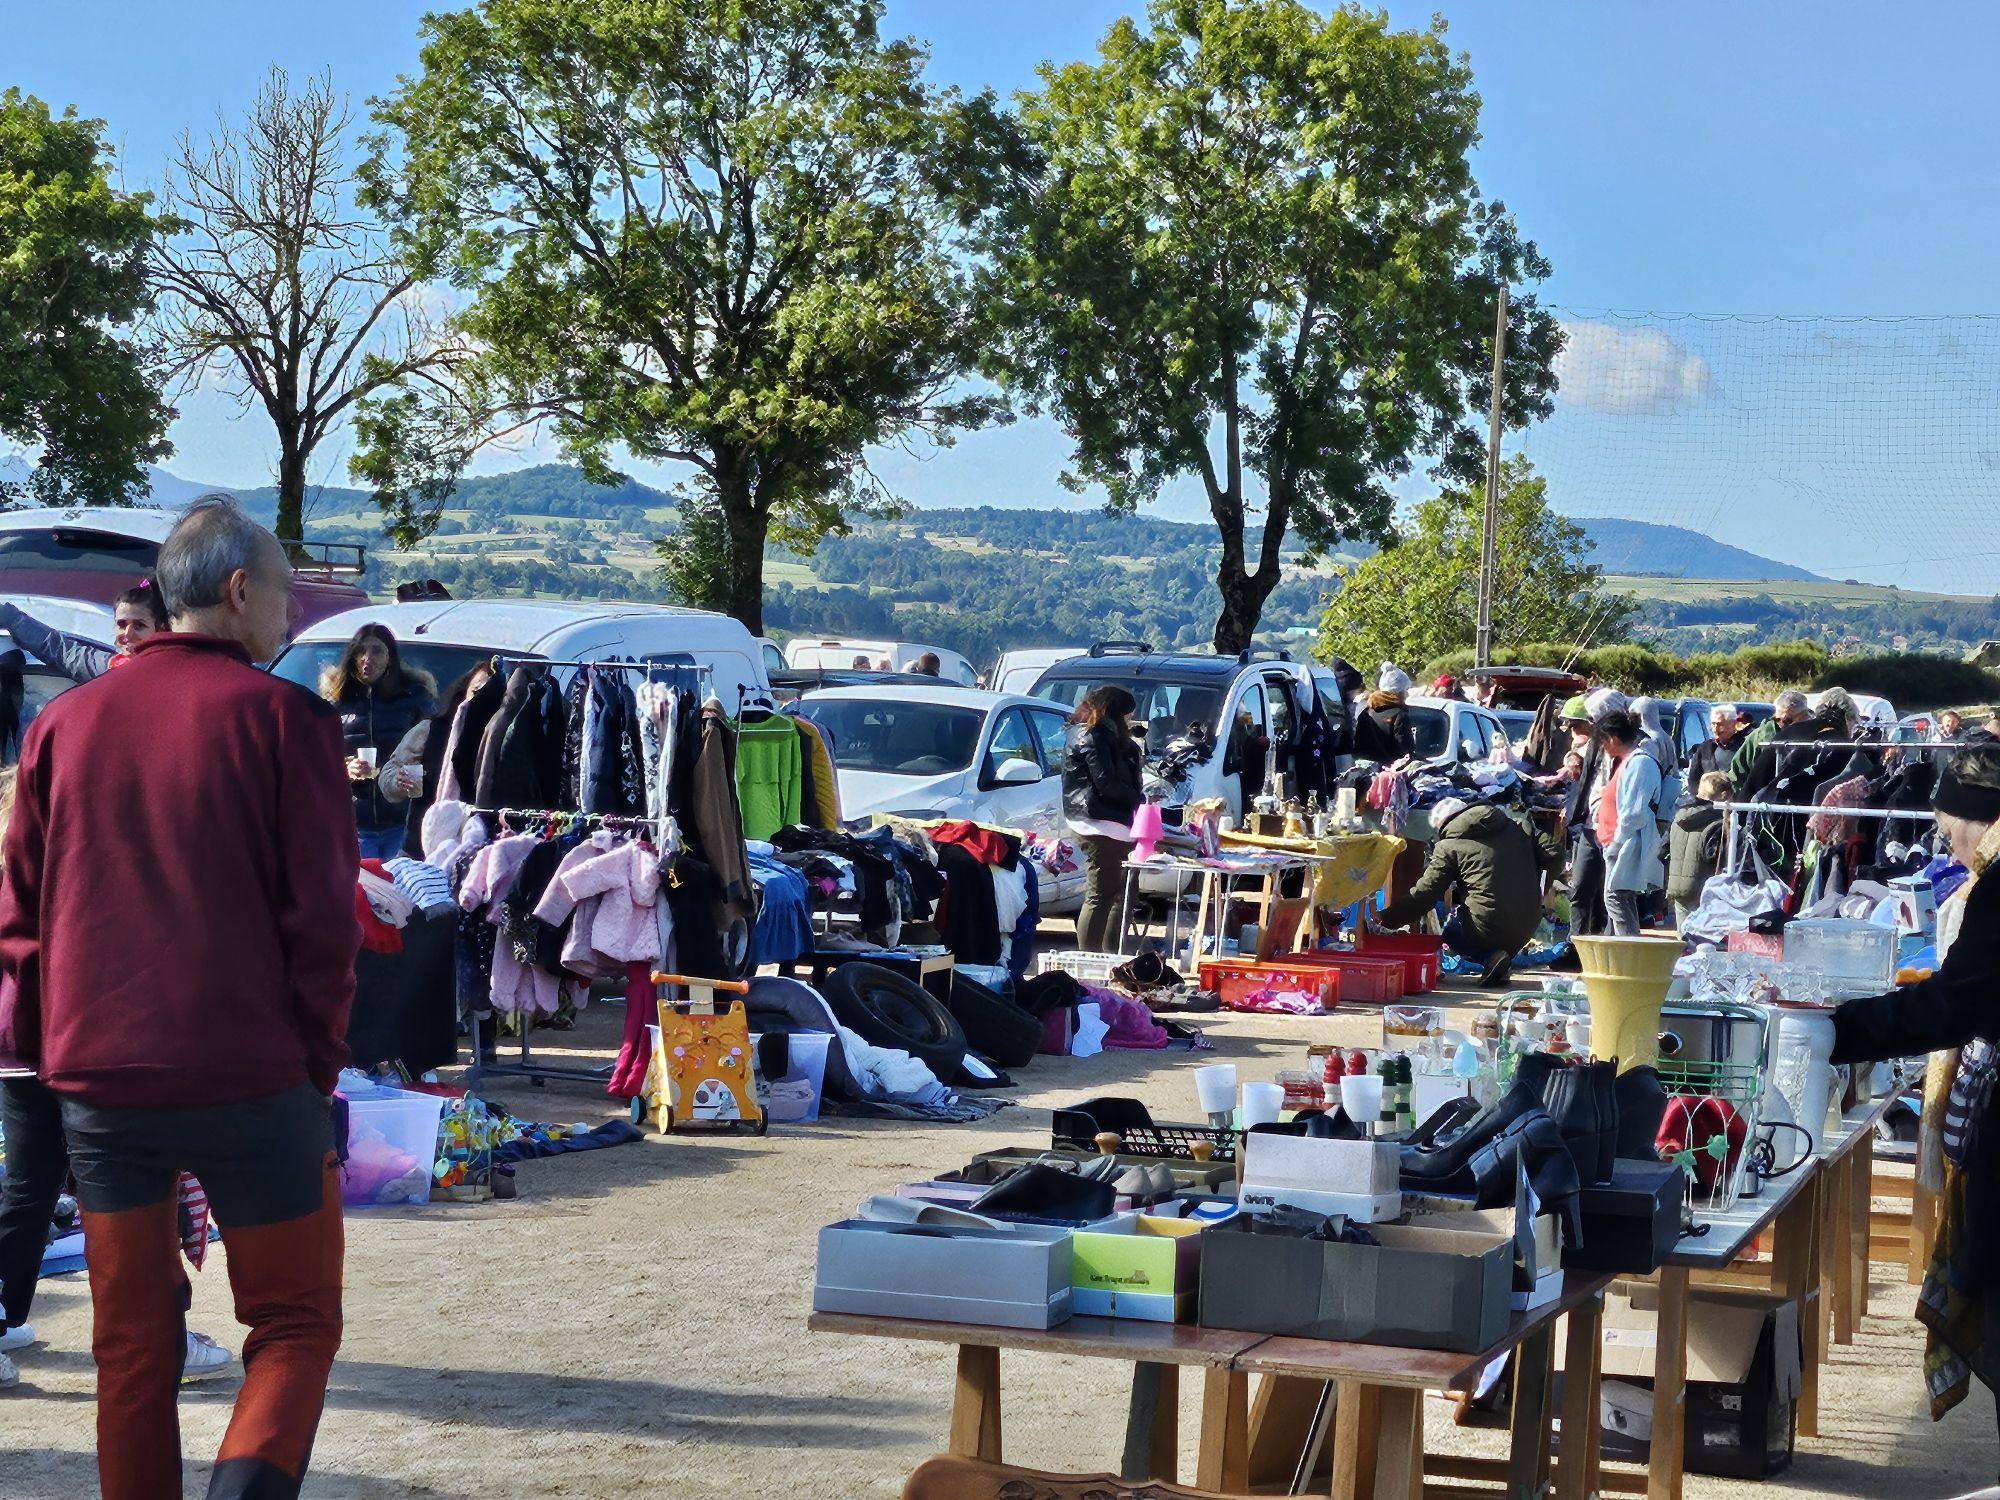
x=1165, y=707
x=304, y=661
x=1432, y=728
x=76, y=550
x=894, y=736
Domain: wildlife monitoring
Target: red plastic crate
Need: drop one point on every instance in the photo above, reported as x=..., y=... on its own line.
x=1769, y=944
x=1363, y=976
x=1419, y=951
x=1232, y=979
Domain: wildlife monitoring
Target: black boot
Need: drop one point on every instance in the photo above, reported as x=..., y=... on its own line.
x=1642, y=1104
x=1571, y=1101
x=1604, y=1084
x=1536, y=1140
x=1435, y=1164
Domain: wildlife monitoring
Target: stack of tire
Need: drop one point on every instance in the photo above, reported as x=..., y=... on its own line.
x=887, y=1010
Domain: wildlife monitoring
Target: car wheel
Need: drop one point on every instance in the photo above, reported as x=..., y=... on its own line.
x=886, y=1010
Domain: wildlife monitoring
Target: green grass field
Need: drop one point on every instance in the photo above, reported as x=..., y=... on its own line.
x=1837, y=595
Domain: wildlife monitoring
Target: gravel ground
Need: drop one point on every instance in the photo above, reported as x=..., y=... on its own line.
x=634, y=1325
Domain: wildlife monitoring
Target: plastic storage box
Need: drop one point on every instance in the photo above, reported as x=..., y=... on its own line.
x=1848, y=952
x=392, y=1142
x=1363, y=976
x=1419, y=951
x=1231, y=979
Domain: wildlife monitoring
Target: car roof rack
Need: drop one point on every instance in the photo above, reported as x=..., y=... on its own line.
x=1121, y=648
x=1246, y=657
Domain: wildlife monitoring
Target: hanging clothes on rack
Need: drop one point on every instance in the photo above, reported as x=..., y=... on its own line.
x=520, y=754
x=468, y=736
x=770, y=769
x=820, y=778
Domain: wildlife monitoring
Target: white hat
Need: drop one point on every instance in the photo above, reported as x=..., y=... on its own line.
x=1392, y=679
x=1604, y=700
x=1443, y=811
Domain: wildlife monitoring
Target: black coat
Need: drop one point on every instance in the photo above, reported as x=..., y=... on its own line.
x=1384, y=734
x=368, y=718
x=1959, y=1002
x=1100, y=774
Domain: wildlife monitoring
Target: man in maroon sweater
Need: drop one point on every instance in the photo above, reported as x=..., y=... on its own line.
x=177, y=917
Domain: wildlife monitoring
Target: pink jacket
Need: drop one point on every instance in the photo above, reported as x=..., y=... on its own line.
x=610, y=887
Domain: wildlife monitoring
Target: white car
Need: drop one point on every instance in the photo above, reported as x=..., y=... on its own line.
x=1017, y=671
x=882, y=656
x=1878, y=714
x=1449, y=731
x=40, y=680
x=930, y=752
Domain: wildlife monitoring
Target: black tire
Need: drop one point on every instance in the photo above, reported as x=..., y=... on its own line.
x=996, y=1027
x=886, y=1010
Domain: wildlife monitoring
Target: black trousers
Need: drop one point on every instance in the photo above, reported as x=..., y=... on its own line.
x=1587, y=915
x=37, y=1167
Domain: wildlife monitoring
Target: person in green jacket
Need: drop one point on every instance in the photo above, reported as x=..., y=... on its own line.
x=1786, y=709
x=1496, y=866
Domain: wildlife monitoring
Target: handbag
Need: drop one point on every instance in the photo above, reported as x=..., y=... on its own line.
x=1729, y=901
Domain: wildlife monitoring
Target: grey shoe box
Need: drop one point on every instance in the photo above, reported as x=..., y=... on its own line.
x=1016, y=1278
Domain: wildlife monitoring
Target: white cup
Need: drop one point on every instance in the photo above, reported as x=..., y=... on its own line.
x=1215, y=1086
x=1261, y=1102
x=367, y=755
x=1361, y=1097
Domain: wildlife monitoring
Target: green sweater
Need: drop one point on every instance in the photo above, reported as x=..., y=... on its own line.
x=1746, y=753
x=1497, y=867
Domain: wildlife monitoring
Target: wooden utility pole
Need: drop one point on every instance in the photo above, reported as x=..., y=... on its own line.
x=1489, y=544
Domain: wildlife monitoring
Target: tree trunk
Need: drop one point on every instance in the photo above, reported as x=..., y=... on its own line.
x=1243, y=596
x=742, y=591
x=290, y=522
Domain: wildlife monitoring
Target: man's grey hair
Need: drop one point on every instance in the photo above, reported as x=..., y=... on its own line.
x=213, y=539
x=1790, y=701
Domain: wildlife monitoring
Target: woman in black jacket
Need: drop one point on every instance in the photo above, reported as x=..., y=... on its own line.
x=1382, y=733
x=1955, y=1012
x=1101, y=791
x=380, y=700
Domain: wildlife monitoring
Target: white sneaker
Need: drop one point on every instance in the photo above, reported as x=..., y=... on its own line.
x=18, y=1337
x=205, y=1358
x=9, y=1376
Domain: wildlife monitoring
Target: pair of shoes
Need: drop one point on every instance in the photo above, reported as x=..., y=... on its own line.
x=1642, y=1104
x=1146, y=1182
x=20, y=1336
x=1497, y=970
x=1434, y=1164
x=205, y=1358
x=1535, y=1140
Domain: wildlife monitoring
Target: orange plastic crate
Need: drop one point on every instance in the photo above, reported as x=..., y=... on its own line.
x=1420, y=952
x=1232, y=979
x=1363, y=976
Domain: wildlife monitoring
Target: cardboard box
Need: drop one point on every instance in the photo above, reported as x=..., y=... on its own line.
x=1743, y=1376
x=1357, y=1178
x=1417, y=1288
x=1632, y=1223
x=1537, y=1254
x=1139, y=1267
x=1011, y=1278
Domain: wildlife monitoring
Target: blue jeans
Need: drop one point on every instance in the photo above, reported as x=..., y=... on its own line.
x=382, y=843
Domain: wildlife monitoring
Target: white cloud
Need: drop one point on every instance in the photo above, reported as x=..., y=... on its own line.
x=1628, y=372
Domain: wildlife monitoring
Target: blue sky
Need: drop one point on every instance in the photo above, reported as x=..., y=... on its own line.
x=1782, y=158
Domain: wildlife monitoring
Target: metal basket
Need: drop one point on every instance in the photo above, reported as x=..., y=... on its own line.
x=1726, y=1055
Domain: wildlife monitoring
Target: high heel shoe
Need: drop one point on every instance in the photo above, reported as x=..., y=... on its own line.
x=1536, y=1141
x=1448, y=1157
x=1572, y=1103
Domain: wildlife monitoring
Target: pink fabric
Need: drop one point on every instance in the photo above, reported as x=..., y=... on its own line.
x=620, y=889
x=1056, y=1027
x=1131, y=1021
x=516, y=986
x=642, y=1009
x=1278, y=1003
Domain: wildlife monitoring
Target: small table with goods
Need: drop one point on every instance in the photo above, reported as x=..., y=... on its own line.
x=1376, y=1411
x=1251, y=878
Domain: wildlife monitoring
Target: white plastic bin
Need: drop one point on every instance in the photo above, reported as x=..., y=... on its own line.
x=795, y=1097
x=1847, y=951
x=392, y=1138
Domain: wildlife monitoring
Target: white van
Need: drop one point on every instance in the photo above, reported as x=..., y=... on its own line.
x=1018, y=671
x=448, y=637
x=809, y=652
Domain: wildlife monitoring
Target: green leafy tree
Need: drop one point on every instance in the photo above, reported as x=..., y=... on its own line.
x=1413, y=602
x=1255, y=251
x=77, y=388
x=720, y=232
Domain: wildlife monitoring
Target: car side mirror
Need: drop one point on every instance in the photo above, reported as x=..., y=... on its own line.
x=1017, y=772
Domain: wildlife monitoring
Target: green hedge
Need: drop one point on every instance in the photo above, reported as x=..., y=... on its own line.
x=1912, y=681
x=1748, y=673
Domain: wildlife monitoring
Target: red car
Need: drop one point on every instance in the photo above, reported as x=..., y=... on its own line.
x=97, y=552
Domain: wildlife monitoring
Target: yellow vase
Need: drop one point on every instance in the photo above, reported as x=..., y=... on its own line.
x=1627, y=979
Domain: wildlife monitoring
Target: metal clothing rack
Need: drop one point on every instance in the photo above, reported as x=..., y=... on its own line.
x=666, y=668
x=1736, y=810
